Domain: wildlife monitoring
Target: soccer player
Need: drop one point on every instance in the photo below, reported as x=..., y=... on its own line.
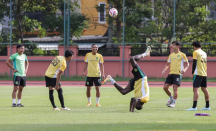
x=139, y=83
x=53, y=76
x=94, y=61
x=176, y=61
x=199, y=71
x=20, y=68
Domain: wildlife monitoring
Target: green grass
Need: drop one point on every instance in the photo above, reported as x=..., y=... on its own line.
x=114, y=115
x=79, y=78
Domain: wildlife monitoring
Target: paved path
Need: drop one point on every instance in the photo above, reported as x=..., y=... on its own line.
x=82, y=83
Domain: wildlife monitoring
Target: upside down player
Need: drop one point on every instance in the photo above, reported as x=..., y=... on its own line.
x=139, y=83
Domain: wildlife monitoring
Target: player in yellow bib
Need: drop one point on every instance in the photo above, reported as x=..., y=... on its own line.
x=176, y=61
x=53, y=75
x=199, y=71
x=94, y=62
x=139, y=83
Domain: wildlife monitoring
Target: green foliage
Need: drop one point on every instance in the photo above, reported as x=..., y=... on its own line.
x=77, y=23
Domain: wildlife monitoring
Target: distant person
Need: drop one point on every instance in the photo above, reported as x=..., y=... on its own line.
x=176, y=61
x=139, y=83
x=20, y=68
x=94, y=62
x=53, y=76
x=199, y=71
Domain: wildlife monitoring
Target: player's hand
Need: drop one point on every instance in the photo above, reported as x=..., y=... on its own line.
x=83, y=75
x=15, y=70
x=57, y=87
x=163, y=72
x=182, y=71
x=25, y=71
x=103, y=77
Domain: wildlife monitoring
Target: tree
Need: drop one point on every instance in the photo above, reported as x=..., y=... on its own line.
x=190, y=19
x=20, y=8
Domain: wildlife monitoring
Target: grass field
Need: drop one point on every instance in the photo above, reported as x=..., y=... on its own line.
x=37, y=115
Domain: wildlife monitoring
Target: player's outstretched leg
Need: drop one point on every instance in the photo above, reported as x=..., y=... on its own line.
x=135, y=58
x=122, y=90
x=61, y=99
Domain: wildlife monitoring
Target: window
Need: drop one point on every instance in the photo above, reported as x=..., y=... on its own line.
x=102, y=13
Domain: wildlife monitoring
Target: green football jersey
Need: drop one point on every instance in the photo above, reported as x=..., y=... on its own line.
x=19, y=63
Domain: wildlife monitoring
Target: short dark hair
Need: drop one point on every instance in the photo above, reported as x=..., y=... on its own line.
x=19, y=45
x=68, y=53
x=196, y=44
x=139, y=106
x=94, y=44
x=177, y=43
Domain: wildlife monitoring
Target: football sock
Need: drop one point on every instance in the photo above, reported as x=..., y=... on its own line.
x=144, y=54
x=61, y=98
x=89, y=99
x=174, y=100
x=112, y=81
x=194, y=104
x=207, y=104
x=14, y=100
x=97, y=99
x=51, y=97
x=171, y=97
x=18, y=101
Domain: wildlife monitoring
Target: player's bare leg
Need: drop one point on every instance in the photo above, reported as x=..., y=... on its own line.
x=169, y=93
x=175, y=96
x=14, y=95
x=97, y=95
x=135, y=58
x=19, y=96
x=88, y=94
x=206, y=93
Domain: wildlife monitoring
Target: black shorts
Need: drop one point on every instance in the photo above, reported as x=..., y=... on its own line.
x=51, y=82
x=19, y=81
x=199, y=81
x=96, y=80
x=174, y=79
x=138, y=73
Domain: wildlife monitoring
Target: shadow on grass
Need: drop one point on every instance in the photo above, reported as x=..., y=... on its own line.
x=109, y=127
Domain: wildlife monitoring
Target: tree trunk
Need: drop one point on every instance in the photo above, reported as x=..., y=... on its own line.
x=118, y=29
x=20, y=30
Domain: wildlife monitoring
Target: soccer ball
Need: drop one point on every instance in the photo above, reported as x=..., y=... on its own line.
x=113, y=12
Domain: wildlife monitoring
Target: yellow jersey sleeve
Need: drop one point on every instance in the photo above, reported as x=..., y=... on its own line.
x=63, y=66
x=184, y=57
x=195, y=54
x=101, y=59
x=86, y=57
x=169, y=60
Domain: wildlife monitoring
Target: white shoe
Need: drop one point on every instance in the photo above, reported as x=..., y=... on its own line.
x=107, y=79
x=172, y=105
x=206, y=108
x=56, y=109
x=169, y=101
x=148, y=50
x=192, y=109
x=68, y=109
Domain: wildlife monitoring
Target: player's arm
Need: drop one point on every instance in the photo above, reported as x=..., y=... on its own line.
x=27, y=65
x=132, y=104
x=194, y=62
x=102, y=70
x=102, y=66
x=186, y=65
x=9, y=65
x=166, y=67
x=84, y=69
x=58, y=79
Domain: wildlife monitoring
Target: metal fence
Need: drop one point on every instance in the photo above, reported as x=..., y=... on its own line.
x=102, y=51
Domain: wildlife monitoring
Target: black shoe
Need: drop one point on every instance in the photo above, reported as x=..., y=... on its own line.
x=20, y=105
x=14, y=105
